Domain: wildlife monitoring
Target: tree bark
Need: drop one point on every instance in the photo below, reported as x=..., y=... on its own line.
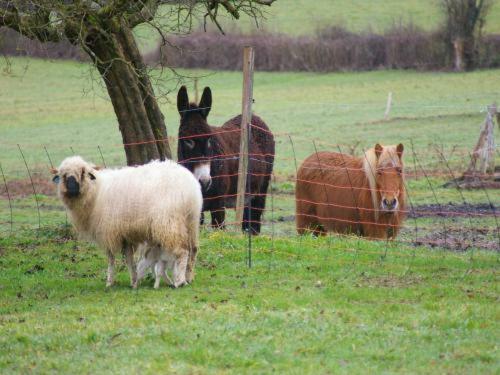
x=140, y=120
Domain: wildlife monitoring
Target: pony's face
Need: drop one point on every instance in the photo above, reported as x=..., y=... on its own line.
x=389, y=176
x=195, y=147
x=74, y=177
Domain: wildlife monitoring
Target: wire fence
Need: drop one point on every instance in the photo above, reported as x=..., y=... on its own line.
x=437, y=217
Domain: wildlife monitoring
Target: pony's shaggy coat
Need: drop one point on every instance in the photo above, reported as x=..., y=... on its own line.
x=341, y=193
x=158, y=203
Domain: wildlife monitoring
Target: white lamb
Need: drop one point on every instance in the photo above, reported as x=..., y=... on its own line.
x=158, y=204
x=158, y=260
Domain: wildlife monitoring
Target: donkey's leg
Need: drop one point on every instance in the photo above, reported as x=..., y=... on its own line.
x=110, y=279
x=258, y=206
x=218, y=218
x=252, y=215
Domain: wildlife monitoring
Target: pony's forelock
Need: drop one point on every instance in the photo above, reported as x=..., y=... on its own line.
x=389, y=156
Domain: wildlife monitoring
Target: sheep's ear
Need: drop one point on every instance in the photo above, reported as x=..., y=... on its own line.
x=399, y=150
x=56, y=179
x=378, y=150
x=182, y=100
x=205, y=102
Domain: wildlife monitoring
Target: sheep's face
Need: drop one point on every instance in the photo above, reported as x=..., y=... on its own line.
x=74, y=177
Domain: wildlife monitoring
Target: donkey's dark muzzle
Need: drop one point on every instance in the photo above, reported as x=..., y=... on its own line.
x=72, y=187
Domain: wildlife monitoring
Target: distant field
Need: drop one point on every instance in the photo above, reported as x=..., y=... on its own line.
x=298, y=17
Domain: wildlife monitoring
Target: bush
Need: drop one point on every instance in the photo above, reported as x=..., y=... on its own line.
x=14, y=44
x=331, y=49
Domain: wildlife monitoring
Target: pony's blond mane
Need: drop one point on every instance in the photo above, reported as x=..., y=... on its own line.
x=370, y=169
x=370, y=164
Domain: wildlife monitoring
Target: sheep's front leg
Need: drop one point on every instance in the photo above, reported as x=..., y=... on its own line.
x=111, y=270
x=190, y=265
x=129, y=258
x=179, y=272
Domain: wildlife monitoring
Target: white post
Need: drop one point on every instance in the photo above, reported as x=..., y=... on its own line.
x=388, y=106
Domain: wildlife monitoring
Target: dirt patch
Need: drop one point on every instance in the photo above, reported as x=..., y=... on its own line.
x=460, y=239
x=433, y=210
x=24, y=188
x=454, y=210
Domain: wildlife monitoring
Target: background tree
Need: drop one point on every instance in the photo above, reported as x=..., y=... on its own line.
x=103, y=28
x=465, y=20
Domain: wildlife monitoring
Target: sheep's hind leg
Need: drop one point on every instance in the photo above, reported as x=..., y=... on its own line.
x=191, y=264
x=111, y=270
x=179, y=272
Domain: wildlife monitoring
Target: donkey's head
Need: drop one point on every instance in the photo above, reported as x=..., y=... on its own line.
x=195, y=147
x=389, y=176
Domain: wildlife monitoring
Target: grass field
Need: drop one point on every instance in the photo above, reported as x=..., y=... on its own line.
x=336, y=305
x=299, y=17
x=303, y=308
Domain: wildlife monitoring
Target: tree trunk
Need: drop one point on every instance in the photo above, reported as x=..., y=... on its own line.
x=140, y=120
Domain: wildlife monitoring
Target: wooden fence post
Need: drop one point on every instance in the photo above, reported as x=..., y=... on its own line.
x=388, y=106
x=196, y=95
x=246, y=117
x=484, y=151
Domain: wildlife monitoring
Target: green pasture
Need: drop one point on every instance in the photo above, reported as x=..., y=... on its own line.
x=302, y=17
x=315, y=306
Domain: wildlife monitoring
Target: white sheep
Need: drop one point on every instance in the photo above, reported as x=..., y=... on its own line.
x=158, y=203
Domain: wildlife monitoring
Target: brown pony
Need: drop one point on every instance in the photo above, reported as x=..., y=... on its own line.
x=344, y=194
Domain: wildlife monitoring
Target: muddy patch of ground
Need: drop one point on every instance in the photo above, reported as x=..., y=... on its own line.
x=24, y=188
x=446, y=235
x=454, y=210
x=460, y=239
x=434, y=210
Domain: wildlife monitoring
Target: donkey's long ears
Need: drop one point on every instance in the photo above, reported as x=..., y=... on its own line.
x=399, y=150
x=182, y=100
x=205, y=102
